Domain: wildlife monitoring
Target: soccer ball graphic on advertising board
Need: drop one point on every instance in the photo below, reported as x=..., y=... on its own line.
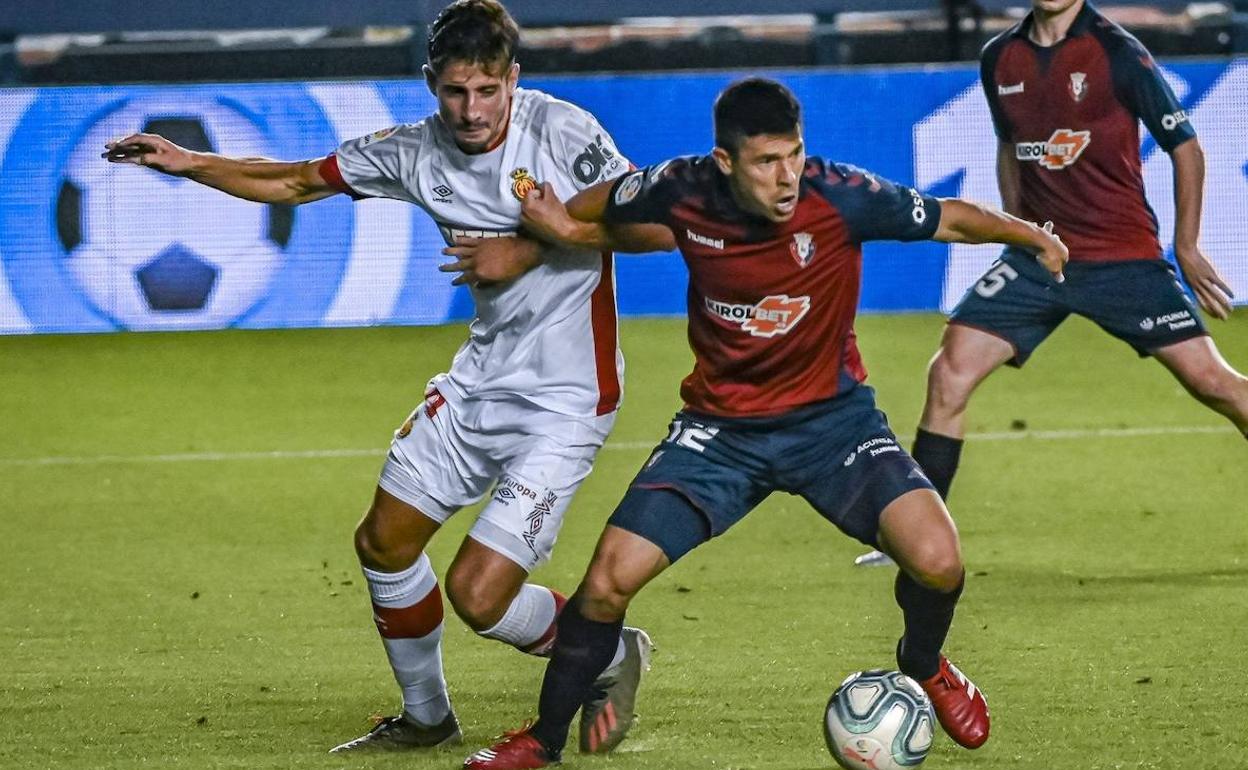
x=150, y=251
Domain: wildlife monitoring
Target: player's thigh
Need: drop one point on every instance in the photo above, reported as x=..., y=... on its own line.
x=481, y=582
x=917, y=531
x=859, y=479
x=392, y=534
x=1140, y=302
x=1016, y=301
x=967, y=355
x=544, y=459
x=1198, y=365
x=437, y=462
x=697, y=483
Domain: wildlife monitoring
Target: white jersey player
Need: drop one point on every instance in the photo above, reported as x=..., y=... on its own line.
x=549, y=337
x=529, y=398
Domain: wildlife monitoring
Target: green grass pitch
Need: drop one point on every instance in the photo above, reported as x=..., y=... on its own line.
x=171, y=598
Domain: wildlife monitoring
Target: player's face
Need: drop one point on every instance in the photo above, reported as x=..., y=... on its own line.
x=1054, y=7
x=764, y=173
x=474, y=103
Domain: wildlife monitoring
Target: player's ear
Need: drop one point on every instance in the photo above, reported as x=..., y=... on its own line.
x=431, y=79
x=513, y=76
x=723, y=159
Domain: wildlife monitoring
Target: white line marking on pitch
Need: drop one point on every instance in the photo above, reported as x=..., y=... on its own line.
x=617, y=446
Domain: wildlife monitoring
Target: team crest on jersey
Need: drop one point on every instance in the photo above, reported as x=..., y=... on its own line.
x=802, y=248
x=773, y=315
x=1078, y=85
x=1061, y=150
x=522, y=183
x=377, y=136
x=406, y=429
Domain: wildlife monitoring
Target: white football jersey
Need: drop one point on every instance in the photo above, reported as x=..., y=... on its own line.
x=550, y=336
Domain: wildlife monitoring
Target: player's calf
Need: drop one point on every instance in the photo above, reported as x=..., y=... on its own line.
x=489, y=593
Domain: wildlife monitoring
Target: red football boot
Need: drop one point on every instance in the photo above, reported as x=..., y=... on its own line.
x=518, y=750
x=960, y=706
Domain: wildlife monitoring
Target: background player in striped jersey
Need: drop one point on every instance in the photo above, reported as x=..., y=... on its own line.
x=776, y=400
x=529, y=398
x=1068, y=89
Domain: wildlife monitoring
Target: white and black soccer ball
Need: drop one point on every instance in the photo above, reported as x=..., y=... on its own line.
x=878, y=720
x=150, y=251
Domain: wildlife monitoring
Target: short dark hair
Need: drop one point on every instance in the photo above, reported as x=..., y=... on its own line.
x=752, y=107
x=480, y=32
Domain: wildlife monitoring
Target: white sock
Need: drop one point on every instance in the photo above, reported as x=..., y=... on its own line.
x=407, y=608
x=529, y=621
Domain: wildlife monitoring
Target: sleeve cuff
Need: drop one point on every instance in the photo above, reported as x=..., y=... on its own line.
x=329, y=171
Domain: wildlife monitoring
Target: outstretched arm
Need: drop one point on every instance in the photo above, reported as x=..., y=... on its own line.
x=1210, y=288
x=965, y=222
x=253, y=179
x=579, y=223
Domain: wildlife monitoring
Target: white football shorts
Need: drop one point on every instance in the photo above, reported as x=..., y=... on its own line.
x=452, y=450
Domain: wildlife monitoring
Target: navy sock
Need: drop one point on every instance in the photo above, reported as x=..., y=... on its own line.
x=938, y=456
x=928, y=615
x=583, y=649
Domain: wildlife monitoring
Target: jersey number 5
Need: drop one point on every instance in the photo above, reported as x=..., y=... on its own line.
x=995, y=280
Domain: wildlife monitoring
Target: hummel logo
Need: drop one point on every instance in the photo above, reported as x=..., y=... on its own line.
x=1017, y=88
x=714, y=243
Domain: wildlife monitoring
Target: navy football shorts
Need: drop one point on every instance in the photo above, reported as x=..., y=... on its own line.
x=839, y=454
x=1140, y=302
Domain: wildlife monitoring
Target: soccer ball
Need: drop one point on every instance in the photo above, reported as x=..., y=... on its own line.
x=878, y=720
x=149, y=251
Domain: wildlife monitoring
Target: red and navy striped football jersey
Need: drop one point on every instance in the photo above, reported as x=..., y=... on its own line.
x=1071, y=112
x=772, y=305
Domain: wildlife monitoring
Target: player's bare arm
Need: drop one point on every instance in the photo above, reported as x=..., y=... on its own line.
x=483, y=261
x=1007, y=179
x=253, y=179
x=965, y=222
x=578, y=223
x=547, y=220
x=1210, y=287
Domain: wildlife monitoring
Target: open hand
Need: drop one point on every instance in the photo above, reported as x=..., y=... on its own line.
x=1210, y=288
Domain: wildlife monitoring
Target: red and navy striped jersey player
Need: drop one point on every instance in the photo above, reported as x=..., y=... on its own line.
x=776, y=401
x=1068, y=89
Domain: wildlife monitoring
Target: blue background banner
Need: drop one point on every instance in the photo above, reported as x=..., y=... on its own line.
x=85, y=246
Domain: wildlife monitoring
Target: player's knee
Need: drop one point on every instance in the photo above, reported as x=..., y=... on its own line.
x=939, y=569
x=949, y=384
x=476, y=602
x=603, y=596
x=378, y=552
